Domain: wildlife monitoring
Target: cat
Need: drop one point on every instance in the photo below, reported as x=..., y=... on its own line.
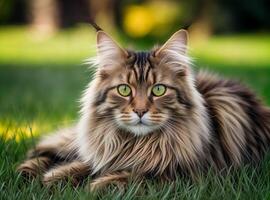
x=147, y=114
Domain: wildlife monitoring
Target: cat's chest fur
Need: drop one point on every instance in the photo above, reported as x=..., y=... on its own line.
x=162, y=153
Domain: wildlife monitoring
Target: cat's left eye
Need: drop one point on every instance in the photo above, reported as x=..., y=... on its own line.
x=124, y=90
x=159, y=90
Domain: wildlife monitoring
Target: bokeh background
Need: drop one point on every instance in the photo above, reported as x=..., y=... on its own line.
x=43, y=44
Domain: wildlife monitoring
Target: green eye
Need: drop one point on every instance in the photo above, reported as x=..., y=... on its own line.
x=124, y=90
x=159, y=90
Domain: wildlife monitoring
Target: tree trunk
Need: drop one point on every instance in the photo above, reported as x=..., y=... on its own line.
x=44, y=16
x=202, y=27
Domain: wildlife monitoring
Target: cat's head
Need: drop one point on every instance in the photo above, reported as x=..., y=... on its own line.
x=141, y=92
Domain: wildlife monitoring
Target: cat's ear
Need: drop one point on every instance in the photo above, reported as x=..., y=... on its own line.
x=174, y=51
x=177, y=43
x=108, y=51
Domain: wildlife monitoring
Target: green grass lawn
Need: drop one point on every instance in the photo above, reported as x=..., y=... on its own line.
x=41, y=81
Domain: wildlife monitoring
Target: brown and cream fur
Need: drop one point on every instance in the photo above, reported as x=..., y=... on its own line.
x=202, y=121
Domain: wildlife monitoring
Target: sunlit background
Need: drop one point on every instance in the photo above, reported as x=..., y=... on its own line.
x=43, y=44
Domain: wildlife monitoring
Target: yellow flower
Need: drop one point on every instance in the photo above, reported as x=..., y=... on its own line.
x=12, y=131
x=138, y=21
x=152, y=17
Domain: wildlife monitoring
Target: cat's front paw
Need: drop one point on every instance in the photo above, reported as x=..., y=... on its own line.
x=31, y=168
x=99, y=185
x=74, y=173
x=116, y=179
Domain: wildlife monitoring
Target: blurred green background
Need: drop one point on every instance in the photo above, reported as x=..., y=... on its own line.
x=43, y=44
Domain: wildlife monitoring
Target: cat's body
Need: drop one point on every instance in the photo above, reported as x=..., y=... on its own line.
x=146, y=114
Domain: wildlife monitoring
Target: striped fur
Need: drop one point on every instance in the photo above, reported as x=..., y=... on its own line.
x=202, y=121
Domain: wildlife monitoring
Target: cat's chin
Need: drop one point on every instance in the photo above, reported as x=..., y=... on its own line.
x=140, y=129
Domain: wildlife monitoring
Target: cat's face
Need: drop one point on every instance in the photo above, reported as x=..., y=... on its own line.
x=142, y=91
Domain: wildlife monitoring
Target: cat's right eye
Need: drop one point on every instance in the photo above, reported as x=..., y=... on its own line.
x=124, y=90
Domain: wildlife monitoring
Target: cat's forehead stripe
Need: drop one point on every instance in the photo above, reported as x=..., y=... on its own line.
x=141, y=66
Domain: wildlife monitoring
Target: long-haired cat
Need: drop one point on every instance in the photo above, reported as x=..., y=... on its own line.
x=146, y=114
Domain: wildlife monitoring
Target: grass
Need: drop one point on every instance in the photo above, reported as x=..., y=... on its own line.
x=20, y=45
x=250, y=50
x=42, y=79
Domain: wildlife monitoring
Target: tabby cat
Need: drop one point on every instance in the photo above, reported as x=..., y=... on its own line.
x=146, y=114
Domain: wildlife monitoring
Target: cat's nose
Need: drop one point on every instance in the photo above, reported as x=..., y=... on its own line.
x=140, y=112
